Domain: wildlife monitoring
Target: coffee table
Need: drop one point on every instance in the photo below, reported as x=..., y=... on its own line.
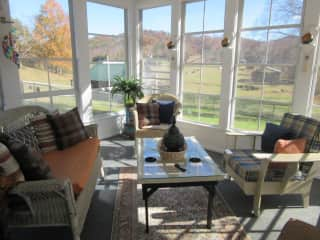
x=160, y=174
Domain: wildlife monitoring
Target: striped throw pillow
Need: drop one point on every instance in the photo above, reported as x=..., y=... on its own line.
x=44, y=132
x=10, y=172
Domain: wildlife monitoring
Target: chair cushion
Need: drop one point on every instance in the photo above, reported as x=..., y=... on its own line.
x=75, y=163
x=271, y=134
x=148, y=114
x=165, y=111
x=10, y=172
x=68, y=128
x=248, y=167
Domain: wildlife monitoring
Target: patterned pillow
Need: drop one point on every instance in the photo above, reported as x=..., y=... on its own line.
x=10, y=172
x=30, y=161
x=148, y=114
x=25, y=135
x=44, y=132
x=68, y=128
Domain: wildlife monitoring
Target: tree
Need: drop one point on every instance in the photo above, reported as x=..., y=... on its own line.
x=52, y=33
x=23, y=39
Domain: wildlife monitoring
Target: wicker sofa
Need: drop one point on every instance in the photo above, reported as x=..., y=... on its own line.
x=78, y=205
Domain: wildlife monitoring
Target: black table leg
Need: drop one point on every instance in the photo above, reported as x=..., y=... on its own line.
x=211, y=191
x=145, y=198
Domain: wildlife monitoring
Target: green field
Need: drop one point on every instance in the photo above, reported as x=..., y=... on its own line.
x=201, y=100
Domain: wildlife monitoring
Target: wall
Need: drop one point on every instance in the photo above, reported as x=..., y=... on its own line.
x=10, y=84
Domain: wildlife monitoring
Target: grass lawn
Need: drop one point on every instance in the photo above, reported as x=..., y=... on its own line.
x=208, y=90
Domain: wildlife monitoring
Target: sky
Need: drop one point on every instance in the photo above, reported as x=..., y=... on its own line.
x=105, y=19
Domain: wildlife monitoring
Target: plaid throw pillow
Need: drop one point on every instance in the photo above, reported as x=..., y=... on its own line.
x=44, y=132
x=10, y=172
x=148, y=114
x=68, y=128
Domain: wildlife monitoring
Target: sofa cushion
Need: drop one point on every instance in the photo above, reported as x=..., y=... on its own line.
x=165, y=111
x=10, y=172
x=44, y=132
x=271, y=134
x=31, y=162
x=75, y=162
x=248, y=167
x=161, y=126
x=148, y=114
x=68, y=128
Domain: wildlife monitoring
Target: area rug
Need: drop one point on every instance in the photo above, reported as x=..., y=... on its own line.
x=174, y=213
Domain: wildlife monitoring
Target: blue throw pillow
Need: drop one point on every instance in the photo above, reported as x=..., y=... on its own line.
x=271, y=134
x=165, y=111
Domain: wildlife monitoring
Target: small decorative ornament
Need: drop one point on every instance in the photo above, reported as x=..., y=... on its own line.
x=307, y=38
x=225, y=42
x=8, y=44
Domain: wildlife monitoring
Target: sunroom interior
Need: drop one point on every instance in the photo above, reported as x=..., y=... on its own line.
x=234, y=65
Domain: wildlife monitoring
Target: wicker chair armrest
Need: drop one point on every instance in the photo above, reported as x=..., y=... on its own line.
x=287, y=158
x=92, y=130
x=61, y=187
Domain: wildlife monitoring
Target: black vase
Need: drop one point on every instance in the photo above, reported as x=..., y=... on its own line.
x=173, y=140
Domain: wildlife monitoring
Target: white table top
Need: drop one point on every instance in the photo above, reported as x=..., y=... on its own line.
x=162, y=172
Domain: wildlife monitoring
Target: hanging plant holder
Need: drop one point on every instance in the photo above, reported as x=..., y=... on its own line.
x=8, y=48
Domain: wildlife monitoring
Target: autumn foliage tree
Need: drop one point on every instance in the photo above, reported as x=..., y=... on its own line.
x=51, y=35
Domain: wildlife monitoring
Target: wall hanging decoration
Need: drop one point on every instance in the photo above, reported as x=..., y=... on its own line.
x=8, y=44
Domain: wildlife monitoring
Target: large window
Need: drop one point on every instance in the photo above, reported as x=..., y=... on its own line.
x=202, y=60
x=42, y=31
x=108, y=54
x=268, y=51
x=155, y=34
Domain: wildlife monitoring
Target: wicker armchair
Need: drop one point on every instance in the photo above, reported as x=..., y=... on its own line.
x=157, y=130
x=250, y=168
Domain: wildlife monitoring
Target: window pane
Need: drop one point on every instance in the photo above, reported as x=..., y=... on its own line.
x=33, y=76
x=273, y=112
x=64, y=102
x=214, y=15
x=211, y=80
x=278, y=84
x=213, y=52
x=249, y=81
x=253, y=46
x=107, y=48
x=100, y=13
x=256, y=13
x=156, y=28
x=44, y=102
x=60, y=74
x=284, y=46
x=316, y=99
x=107, y=53
x=246, y=114
x=316, y=112
x=286, y=12
x=192, y=48
x=194, y=17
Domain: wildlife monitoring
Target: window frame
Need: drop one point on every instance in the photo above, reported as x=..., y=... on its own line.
x=237, y=63
x=183, y=34
x=126, y=43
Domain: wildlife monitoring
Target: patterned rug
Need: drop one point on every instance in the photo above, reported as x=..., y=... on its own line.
x=174, y=213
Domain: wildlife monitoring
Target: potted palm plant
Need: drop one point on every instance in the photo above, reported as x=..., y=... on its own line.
x=131, y=90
